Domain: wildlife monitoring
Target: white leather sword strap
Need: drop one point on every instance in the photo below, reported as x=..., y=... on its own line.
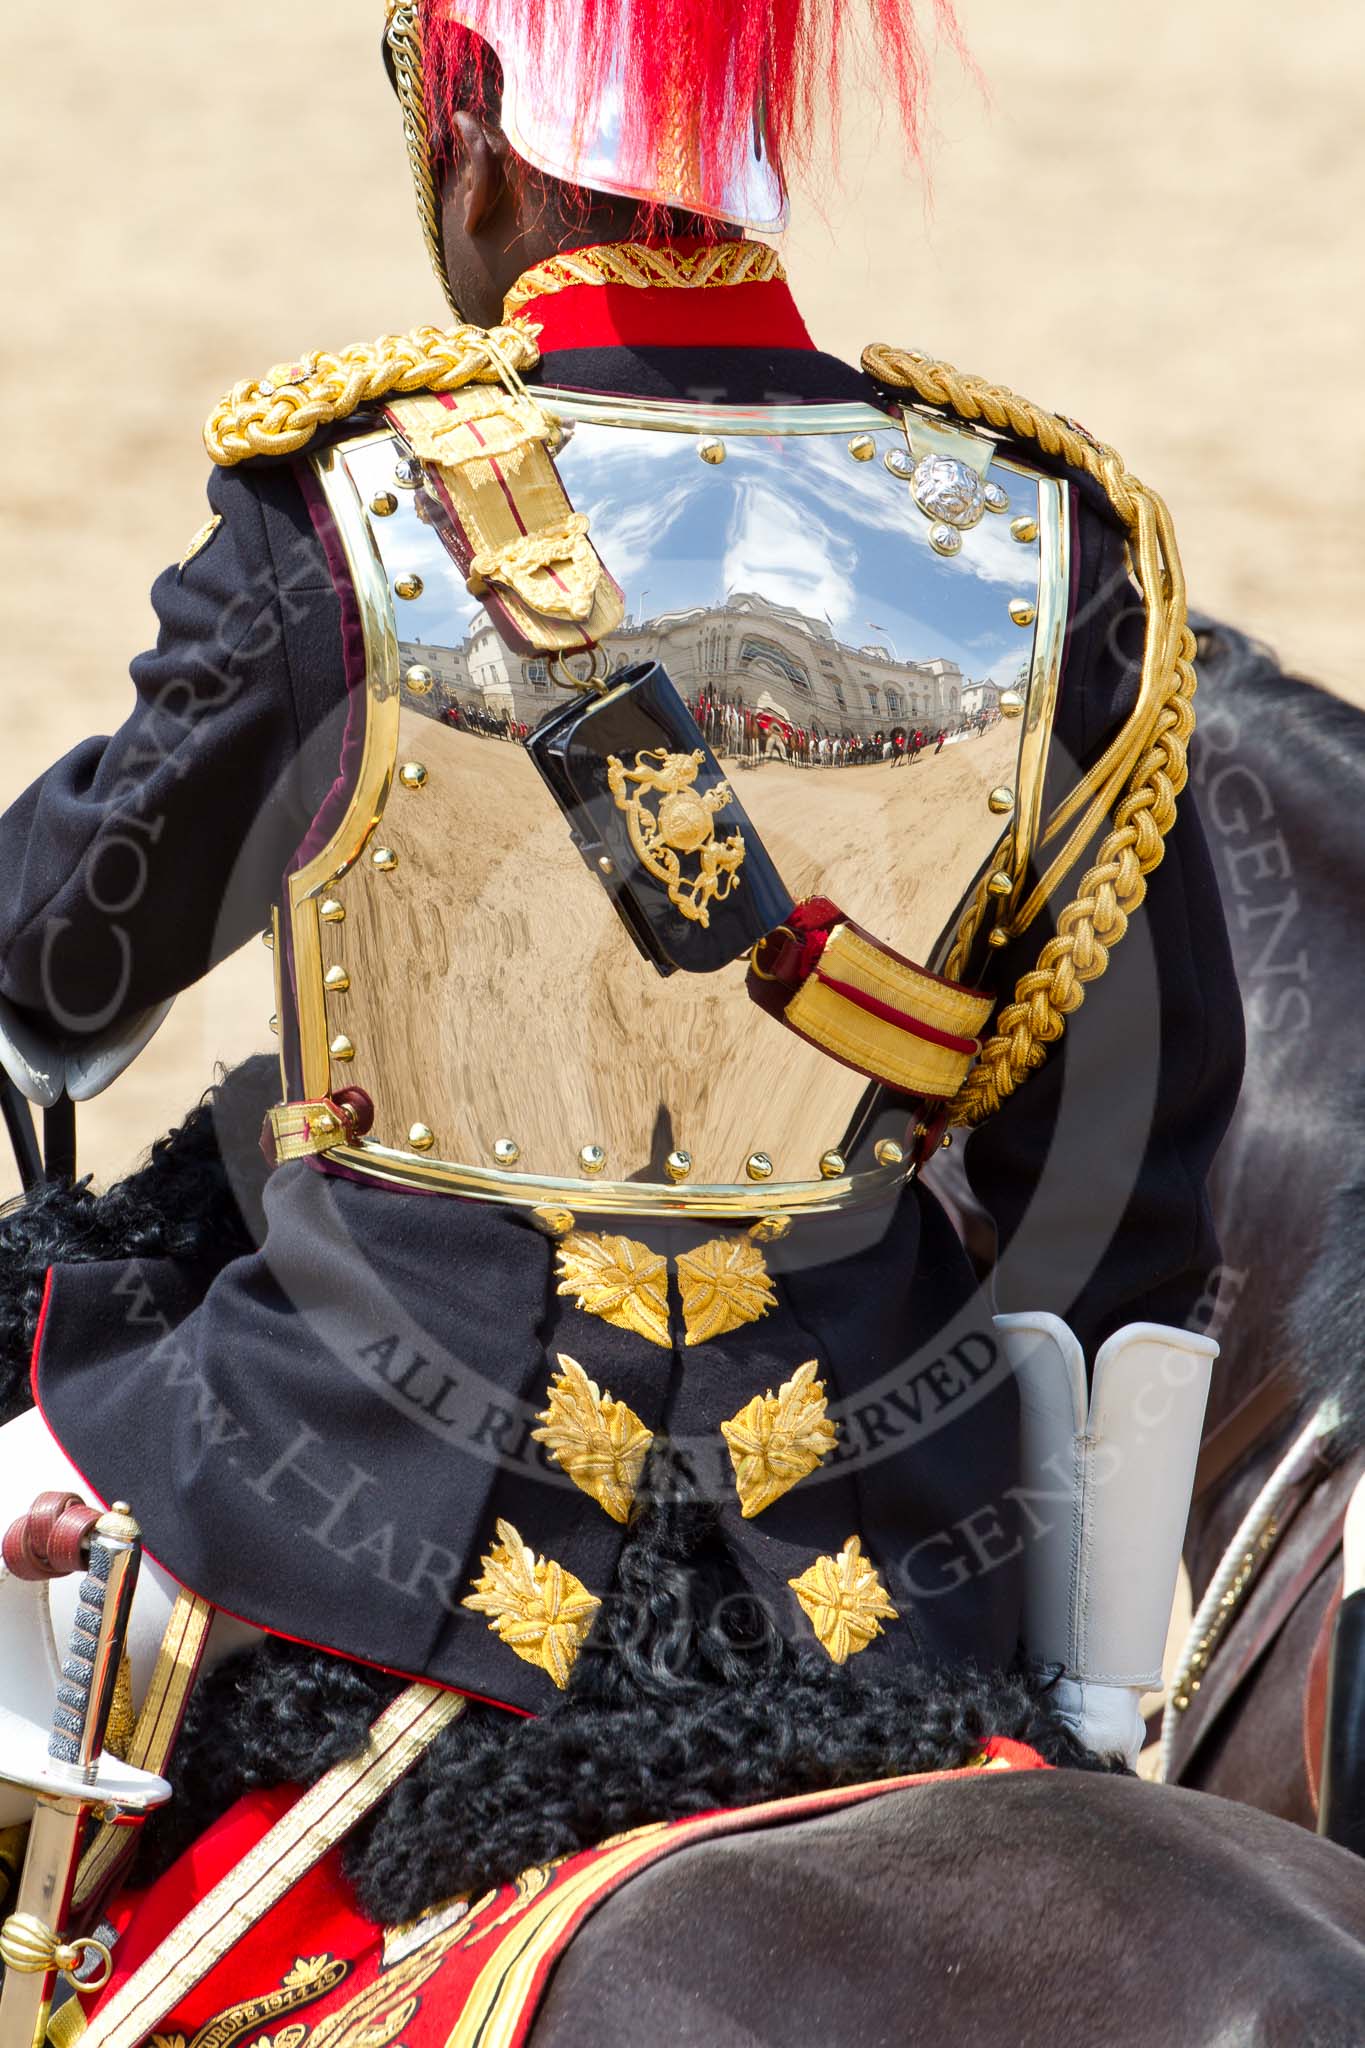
x=312, y=1827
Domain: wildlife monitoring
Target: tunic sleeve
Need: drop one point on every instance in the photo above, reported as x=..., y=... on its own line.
x=140, y=860
x=1095, y=1170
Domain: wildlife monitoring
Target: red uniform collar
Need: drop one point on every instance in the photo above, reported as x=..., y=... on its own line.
x=682, y=293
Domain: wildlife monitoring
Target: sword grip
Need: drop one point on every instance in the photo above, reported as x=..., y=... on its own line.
x=90, y=1667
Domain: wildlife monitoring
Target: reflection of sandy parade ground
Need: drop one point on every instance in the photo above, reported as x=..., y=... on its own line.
x=579, y=1011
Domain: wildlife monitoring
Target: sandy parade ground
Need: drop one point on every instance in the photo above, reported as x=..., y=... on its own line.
x=1152, y=222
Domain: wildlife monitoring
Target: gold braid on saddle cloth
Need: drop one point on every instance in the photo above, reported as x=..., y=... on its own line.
x=1139, y=776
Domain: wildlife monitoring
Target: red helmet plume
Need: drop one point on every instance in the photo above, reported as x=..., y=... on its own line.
x=691, y=103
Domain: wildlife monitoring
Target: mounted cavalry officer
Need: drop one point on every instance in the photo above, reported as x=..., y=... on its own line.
x=611, y=1062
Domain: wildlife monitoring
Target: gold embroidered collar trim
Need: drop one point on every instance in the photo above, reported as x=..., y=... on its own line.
x=640, y=267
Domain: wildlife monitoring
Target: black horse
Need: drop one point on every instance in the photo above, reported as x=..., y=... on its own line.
x=1279, y=776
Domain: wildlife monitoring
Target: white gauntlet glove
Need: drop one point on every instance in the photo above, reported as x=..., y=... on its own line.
x=1105, y=1496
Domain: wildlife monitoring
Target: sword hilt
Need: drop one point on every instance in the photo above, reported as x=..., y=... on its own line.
x=33, y=1943
x=90, y=1668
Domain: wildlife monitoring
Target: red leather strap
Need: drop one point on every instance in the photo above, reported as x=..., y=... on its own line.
x=810, y=948
x=1230, y=1440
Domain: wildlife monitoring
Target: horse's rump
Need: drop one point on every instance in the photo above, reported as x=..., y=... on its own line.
x=1048, y=1910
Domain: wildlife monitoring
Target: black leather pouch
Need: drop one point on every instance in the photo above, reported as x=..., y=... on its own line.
x=658, y=824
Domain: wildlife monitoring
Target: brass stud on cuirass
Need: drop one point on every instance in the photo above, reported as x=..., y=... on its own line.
x=272, y=1023
x=413, y=775
x=553, y=1222
x=887, y=1152
x=336, y=981
x=1023, y=611
x=330, y=911
x=1000, y=801
x=268, y=939
x=711, y=450
x=832, y=1165
x=383, y=504
x=758, y=1166
x=384, y=858
x=506, y=1151
x=1011, y=704
x=408, y=584
x=1024, y=530
x=341, y=1047
x=419, y=680
x=592, y=1159
x=421, y=1137
x=862, y=447
x=678, y=1165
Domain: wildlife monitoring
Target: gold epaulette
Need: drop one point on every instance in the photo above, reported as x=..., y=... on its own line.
x=278, y=414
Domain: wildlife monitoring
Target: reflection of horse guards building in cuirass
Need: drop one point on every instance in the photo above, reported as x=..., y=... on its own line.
x=760, y=655
x=754, y=653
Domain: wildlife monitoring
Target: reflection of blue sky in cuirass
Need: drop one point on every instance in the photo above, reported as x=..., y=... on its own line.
x=792, y=519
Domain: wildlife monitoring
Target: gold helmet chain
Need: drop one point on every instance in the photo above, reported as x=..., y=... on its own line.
x=403, y=35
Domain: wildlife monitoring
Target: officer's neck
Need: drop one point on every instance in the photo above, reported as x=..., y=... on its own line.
x=489, y=264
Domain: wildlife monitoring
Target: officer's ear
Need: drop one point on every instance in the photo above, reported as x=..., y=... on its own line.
x=480, y=176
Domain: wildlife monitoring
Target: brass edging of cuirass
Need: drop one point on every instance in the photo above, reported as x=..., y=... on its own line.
x=739, y=1202
x=379, y=753
x=1045, y=675
x=592, y=408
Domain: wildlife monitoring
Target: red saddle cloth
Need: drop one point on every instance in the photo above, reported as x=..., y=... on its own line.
x=466, y=1975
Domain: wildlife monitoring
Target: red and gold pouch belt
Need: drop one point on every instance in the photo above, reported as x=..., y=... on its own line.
x=865, y=1005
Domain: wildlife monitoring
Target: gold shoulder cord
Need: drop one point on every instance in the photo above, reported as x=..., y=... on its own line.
x=1139, y=776
x=278, y=414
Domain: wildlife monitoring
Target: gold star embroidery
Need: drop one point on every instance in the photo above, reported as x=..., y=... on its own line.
x=536, y=1607
x=600, y=1442
x=724, y=1284
x=623, y=1282
x=777, y=1439
x=844, y=1600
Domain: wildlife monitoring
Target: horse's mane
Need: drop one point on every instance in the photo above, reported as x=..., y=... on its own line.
x=1315, y=740
x=1294, y=758
x=1324, y=1323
